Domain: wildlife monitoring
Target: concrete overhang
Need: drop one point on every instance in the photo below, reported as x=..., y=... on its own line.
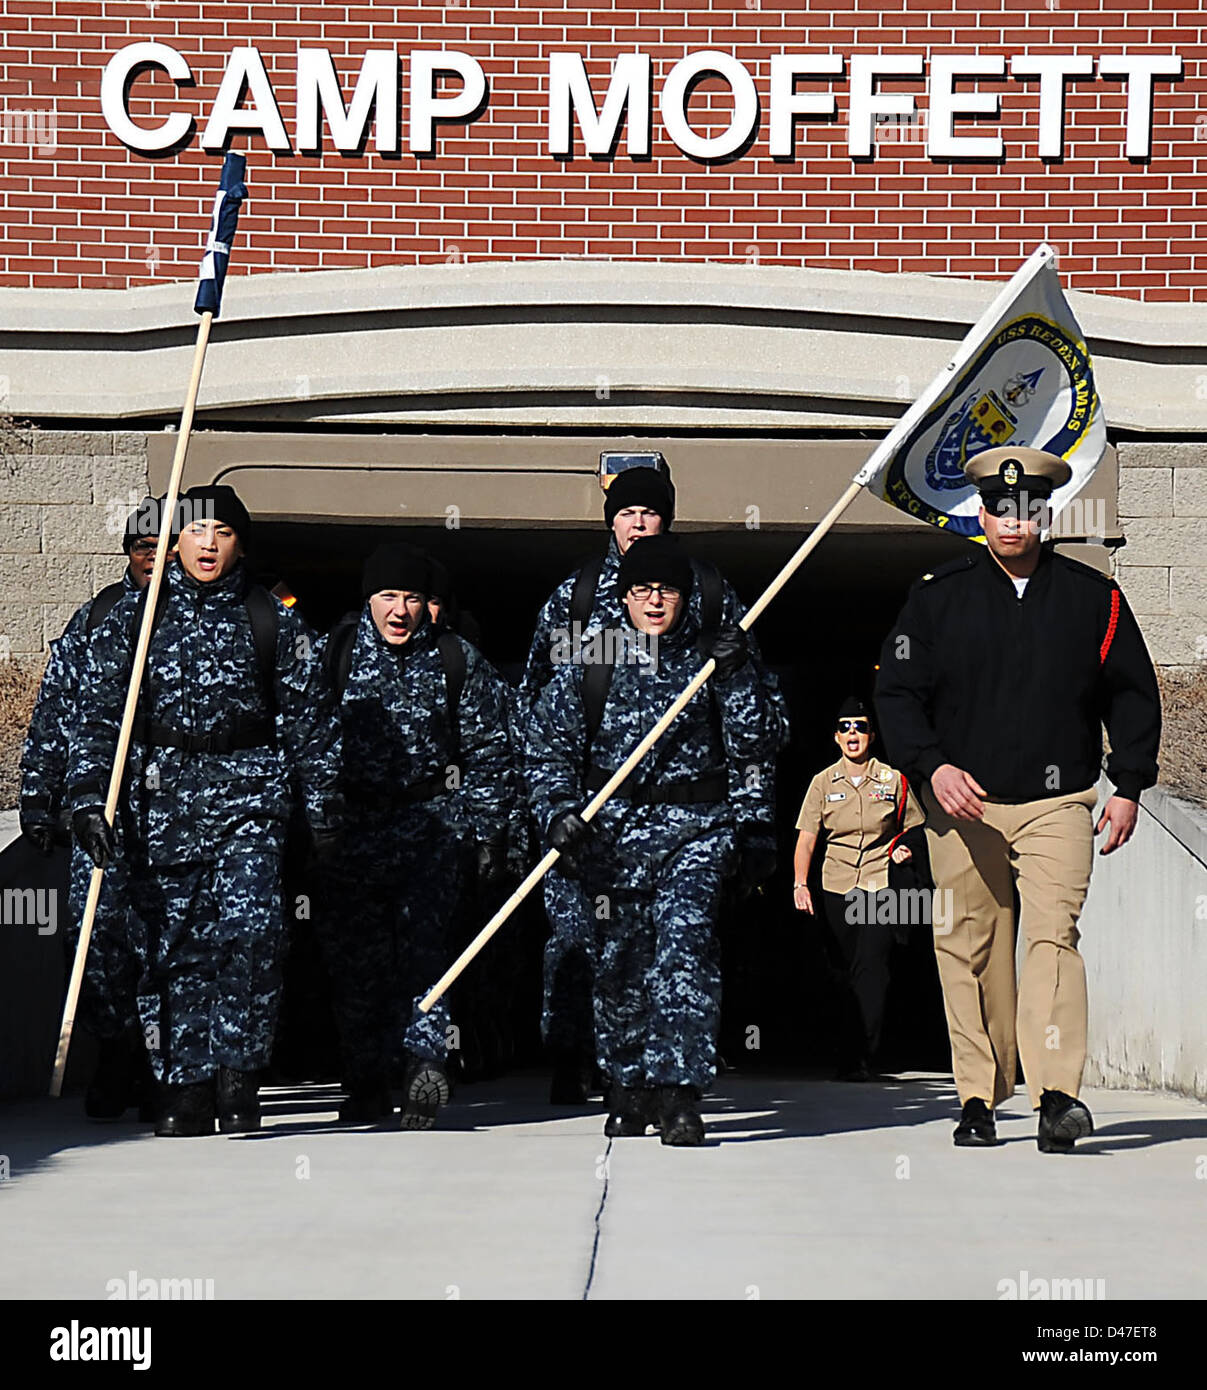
x=585, y=344
x=477, y=481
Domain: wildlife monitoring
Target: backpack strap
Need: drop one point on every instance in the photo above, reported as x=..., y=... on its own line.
x=582, y=596
x=712, y=601
x=102, y=605
x=597, y=682
x=262, y=611
x=337, y=658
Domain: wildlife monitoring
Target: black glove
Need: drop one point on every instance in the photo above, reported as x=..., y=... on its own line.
x=492, y=861
x=730, y=649
x=94, y=834
x=569, y=834
x=756, y=864
x=40, y=835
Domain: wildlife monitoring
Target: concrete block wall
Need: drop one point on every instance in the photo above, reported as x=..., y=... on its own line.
x=64, y=495
x=1163, y=567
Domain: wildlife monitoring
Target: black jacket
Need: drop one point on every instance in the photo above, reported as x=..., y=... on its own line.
x=1015, y=691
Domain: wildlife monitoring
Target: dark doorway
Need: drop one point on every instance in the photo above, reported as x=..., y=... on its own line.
x=821, y=636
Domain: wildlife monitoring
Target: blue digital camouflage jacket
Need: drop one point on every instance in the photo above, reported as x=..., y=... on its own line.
x=55, y=716
x=722, y=729
x=394, y=713
x=553, y=632
x=202, y=673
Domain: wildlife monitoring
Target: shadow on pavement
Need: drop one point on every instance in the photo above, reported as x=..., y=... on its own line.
x=745, y=1109
x=1140, y=1134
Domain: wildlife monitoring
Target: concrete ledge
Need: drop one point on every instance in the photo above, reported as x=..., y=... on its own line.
x=1185, y=821
x=717, y=341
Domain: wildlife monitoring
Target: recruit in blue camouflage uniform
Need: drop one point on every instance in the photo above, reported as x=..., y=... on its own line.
x=202, y=832
x=652, y=873
x=107, y=1000
x=567, y=970
x=414, y=791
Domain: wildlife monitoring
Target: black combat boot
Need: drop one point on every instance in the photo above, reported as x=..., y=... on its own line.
x=1062, y=1121
x=976, y=1128
x=112, y=1088
x=238, y=1101
x=682, y=1124
x=369, y=1103
x=427, y=1089
x=188, y=1111
x=572, y=1077
x=628, y=1112
x=146, y=1088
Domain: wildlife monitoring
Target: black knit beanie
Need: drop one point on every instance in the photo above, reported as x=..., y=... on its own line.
x=641, y=487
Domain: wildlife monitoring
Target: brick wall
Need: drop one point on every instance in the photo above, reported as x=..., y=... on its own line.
x=80, y=209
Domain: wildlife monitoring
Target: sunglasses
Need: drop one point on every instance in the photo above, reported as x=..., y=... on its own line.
x=1005, y=505
x=854, y=726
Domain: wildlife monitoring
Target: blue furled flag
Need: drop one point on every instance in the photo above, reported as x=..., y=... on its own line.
x=231, y=192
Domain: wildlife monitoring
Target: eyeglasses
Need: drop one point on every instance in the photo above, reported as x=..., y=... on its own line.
x=853, y=726
x=643, y=591
x=144, y=547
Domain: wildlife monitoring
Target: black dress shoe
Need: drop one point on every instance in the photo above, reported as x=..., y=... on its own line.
x=427, y=1089
x=628, y=1112
x=238, y=1101
x=976, y=1128
x=188, y=1111
x=682, y=1124
x=1062, y=1121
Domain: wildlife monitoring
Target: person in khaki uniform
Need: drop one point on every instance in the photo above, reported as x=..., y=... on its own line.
x=865, y=807
x=994, y=685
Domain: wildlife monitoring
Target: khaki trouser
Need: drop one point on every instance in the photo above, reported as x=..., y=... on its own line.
x=1046, y=849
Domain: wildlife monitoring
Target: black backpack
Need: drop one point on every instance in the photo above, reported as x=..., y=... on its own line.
x=103, y=604
x=337, y=661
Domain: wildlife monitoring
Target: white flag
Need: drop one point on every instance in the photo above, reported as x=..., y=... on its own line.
x=1022, y=376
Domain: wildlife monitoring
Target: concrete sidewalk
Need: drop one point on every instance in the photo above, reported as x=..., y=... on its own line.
x=807, y=1189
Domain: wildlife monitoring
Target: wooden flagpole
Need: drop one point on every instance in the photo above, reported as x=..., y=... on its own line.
x=136, y=674
x=609, y=789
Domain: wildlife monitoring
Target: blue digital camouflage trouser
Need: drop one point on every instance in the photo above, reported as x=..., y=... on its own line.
x=385, y=944
x=211, y=938
x=107, y=1006
x=657, y=978
x=566, y=1014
